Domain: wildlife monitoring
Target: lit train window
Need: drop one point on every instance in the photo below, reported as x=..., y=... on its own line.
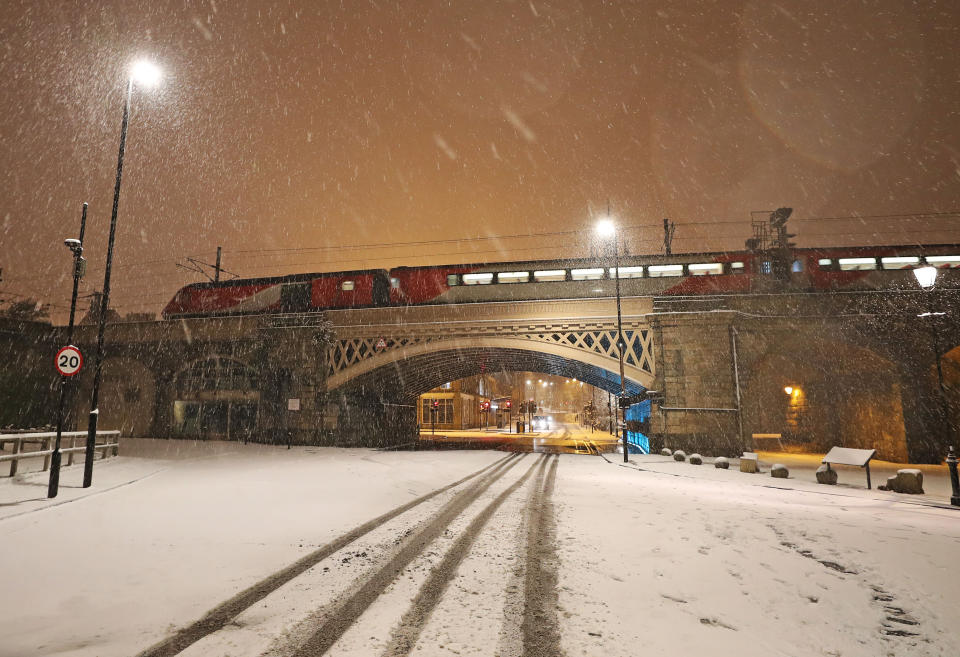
x=706, y=269
x=944, y=262
x=766, y=267
x=395, y=283
x=452, y=280
x=797, y=266
x=736, y=267
x=346, y=286
x=513, y=277
x=900, y=262
x=586, y=274
x=477, y=279
x=550, y=275
x=627, y=272
x=658, y=271
x=825, y=262
x=857, y=264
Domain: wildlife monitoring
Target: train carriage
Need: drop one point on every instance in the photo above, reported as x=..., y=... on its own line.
x=807, y=269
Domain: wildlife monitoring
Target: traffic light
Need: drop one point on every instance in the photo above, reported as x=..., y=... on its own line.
x=507, y=404
x=436, y=403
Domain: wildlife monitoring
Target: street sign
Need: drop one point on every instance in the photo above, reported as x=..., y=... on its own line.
x=381, y=344
x=69, y=360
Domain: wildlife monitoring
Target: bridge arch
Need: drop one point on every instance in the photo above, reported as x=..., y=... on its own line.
x=409, y=371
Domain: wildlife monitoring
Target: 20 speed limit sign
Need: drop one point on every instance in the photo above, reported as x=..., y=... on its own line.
x=69, y=360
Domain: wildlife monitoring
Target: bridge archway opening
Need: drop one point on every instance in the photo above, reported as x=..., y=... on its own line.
x=403, y=380
x=216, y=397
x=856, y=403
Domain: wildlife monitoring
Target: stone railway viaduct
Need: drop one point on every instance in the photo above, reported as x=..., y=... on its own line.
x=862, y=366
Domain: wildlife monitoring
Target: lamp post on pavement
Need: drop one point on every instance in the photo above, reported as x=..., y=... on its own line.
x=607, y=228
x=927, y=278
x=79, y=265
x=147, y=75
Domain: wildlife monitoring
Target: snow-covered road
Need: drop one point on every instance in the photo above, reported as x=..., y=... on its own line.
x=264, y=551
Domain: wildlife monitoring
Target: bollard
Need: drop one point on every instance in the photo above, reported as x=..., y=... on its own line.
x=954, y=481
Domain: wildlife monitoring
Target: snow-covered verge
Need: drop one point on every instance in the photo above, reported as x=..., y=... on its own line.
x=155, y=543
x=536, y=555
x=697, y=561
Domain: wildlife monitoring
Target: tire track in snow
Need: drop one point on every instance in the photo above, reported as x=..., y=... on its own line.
x=405, y=635
x=540, y=628
x=222, y=614
x=338, y=620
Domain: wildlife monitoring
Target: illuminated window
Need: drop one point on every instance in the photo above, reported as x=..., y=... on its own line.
x=825, y=262
x=586, y=274
x=659, y=271
x=736, y=267
x=395, y=283
x=477, y=279
x=706, y=269
x=453, y=279
x=346, y=286
x=626, y=272
x=900, y=262
x=513, y=277
x=550, y=275
x=944, y=262
x=857, y=264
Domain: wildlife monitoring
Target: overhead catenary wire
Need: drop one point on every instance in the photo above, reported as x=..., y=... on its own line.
x=691, y=243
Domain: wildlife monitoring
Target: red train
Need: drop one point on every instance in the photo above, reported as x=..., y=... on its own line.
x=685, y=274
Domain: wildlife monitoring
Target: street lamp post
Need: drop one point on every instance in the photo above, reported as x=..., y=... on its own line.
x=608, y=228
x=76, y=247
x=148, y=75
x=927, y=278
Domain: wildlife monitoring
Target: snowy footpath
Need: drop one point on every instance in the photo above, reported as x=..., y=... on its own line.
x=220, y=550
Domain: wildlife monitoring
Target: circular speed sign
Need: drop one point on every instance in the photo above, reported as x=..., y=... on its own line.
x=69, y=360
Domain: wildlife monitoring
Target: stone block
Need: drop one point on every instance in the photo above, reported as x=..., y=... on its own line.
x=826, y=475
x=779, y=471
x=749, y=465
x=695, y=459
x=665, y=452
x=908, y=480
x=721, y=462
x=679, y=455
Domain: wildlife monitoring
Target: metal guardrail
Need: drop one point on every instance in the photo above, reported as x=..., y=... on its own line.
x=46, y=439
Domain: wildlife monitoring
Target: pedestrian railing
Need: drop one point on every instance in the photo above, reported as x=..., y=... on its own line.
x=44, y=442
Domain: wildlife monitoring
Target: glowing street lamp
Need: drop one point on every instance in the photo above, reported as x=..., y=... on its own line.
x=927, y=279
x=606, y=228
x=147, y=75
x=926, y=276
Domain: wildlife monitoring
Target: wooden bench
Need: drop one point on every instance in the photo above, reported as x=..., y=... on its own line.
x=760, y=440
x=850, y=456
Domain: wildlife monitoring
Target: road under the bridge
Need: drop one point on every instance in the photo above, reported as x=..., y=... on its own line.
x=222, y=549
